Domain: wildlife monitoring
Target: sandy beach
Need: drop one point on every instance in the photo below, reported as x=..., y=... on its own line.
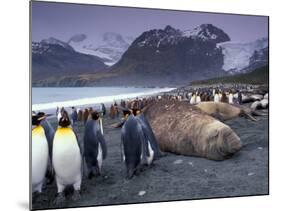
x=174, y=177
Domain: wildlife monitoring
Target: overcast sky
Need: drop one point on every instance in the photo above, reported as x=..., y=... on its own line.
x=62, y=21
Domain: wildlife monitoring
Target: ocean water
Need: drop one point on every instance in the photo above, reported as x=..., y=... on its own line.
x=50, y=98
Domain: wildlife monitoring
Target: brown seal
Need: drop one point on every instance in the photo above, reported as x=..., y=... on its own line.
x=225, y=111
x=184, y=129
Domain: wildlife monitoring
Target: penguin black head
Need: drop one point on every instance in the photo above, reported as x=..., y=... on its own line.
x=95, y=115
x=37, y=118
x=126, y=113
x=64, y=120
x=136, y=111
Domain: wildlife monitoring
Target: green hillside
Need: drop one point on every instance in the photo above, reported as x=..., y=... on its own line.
x=257, y=76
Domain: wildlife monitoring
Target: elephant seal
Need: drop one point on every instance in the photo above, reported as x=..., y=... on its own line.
x=184, y=129
x=263, y=104
x=225, y=111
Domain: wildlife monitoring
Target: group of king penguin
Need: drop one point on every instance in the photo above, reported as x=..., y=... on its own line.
x=58, y=154
x=216, y=95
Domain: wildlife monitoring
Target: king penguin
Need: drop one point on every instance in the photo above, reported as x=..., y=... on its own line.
x=216, y=98
x=40, y=153
x=193, y=99
x=67, y=159
x=153, y=148
x=198, y=98
x=94, y=145
x=50, y=132
x=74, y=115
x=134, y=147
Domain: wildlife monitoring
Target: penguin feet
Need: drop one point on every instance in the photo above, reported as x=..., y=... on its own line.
x=76, y=195
x=95, y=172
x=60, y=198
x=90, y=175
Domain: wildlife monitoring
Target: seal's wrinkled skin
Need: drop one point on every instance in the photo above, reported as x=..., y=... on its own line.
x=184, y=129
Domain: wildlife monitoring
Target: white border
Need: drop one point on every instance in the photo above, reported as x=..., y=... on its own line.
x=14, y=116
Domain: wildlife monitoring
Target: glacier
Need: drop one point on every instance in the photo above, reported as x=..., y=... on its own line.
x=237, y=55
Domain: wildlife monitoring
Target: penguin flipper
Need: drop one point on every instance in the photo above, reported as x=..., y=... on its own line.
x=102, y=142
x=144, y=144
x=150, y=135
x=122, y=143
x=81, y=152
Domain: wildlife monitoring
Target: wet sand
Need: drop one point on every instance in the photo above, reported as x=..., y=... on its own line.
x=174, y=177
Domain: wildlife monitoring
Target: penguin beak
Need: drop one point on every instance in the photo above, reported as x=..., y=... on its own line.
x=41, y=118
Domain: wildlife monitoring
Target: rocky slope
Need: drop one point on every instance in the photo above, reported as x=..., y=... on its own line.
x=54, y=58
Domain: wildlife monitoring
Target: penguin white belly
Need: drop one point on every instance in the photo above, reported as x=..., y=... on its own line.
x=151, y=154
x=216, y=98
x=67, y=159
x=59, y=116
x=193, y=100
x=40, y=156
x=99, y=157
x=230, y=99
x=198, y=99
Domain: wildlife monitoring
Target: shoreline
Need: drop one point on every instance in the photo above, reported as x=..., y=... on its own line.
x=96, y=101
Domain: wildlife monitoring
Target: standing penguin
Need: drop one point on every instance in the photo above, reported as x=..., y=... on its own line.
x=239, y=98
x=153, y=148
x=74, y=115
x=198, y=98
x=94, y=145
x=134, y=146
x=80, y=115
x=193, y=99
x=223, y=98
x=67, y=159
x=216, y=98
x=40, y=153
x=230, y=98
x=50, y=132
x=85, y=115
x=103, y=109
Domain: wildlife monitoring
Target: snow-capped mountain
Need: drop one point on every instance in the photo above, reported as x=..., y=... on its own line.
x=207, y=32
x=237, y=55
x=171, y=36
x=110, y=49
x=54, y=58
x=169, y=55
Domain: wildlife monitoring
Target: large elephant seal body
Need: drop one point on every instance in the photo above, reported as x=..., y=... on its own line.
x=184, y=129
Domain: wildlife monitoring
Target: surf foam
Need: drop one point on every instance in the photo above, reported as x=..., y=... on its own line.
x=96, y=100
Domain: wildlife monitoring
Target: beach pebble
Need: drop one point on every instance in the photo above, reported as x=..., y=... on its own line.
x=260, y=148
x=251, y=174
x=141, y=193
x=179, y=161
x=191, y=163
